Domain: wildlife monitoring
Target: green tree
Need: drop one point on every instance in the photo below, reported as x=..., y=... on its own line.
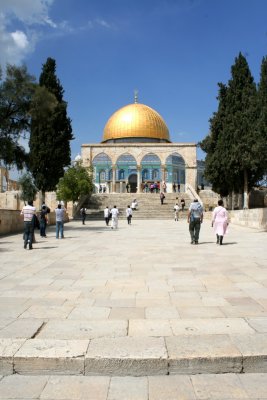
x=28, y=188
x=213, y=145
x=236, y=139
x=16, y=92
x=51, y=133
x=75, y=183
x=262, y=122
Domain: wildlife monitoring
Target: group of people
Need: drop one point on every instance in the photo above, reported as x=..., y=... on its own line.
x=220, y=221
x=31, y=222
x=113, y=214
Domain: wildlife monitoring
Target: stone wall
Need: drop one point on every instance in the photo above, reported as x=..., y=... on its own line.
x=12, y=222
x=252, y=218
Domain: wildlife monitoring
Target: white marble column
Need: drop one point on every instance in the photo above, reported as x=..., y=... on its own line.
x=114, y=178
x=138, y=178
x=163, y=176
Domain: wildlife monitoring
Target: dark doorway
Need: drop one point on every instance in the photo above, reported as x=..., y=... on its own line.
x=133, y=183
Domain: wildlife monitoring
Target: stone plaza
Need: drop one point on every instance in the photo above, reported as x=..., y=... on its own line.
x=134, y=313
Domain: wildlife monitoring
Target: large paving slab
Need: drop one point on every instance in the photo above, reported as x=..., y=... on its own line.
x=163, y=387
x=92, y=303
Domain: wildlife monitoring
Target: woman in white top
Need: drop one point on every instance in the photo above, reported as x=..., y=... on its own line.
x=220, y=221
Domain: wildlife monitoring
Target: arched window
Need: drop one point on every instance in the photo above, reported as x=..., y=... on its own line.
x=102, y=159
x=150, y=159
x=155, y=174
x=126, y=160
x=102, y=176
x=176, y=168
x=145, y=174
x=121, y=174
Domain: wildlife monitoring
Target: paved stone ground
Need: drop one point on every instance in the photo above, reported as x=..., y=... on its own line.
x=138, y=301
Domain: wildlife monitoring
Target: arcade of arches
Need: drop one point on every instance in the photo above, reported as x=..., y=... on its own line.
x=116, y=165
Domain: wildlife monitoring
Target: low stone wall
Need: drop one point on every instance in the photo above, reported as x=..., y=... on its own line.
x=252, y=218
x=12, y=222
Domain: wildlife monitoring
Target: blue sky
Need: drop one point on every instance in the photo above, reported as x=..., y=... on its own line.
x=174, y=52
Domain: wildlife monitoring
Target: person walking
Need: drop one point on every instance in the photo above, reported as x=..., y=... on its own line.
x=107, y=215
x=164, y=187
x=28, y=213
x=220, y=221
x=115, y=216
x=182, y=204
x=129, y=214
x=127, y=187
x=83, y=214
x=176, y=212
x=134, y=205
x=60, y=212
x=195, y=218
x=162, y=197
x=174, y=187
x=43, y=220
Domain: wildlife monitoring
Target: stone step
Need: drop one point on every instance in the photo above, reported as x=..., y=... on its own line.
x=93, y=354
x=188, y=387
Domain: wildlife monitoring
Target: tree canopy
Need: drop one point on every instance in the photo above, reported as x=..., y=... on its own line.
x=16, y=92
x=51, y=131
x=236, y=146
x=28, y=188
x=75, y=183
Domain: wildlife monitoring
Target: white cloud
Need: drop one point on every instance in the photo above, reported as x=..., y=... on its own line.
x=16, y=44
x=20, y=39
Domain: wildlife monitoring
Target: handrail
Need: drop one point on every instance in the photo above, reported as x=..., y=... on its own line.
x=192, y=193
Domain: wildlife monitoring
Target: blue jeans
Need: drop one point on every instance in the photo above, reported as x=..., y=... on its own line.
x=194, y=228
x=28, y=233
x=59, y=229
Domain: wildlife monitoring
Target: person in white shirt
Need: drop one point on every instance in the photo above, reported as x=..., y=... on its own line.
x=129, y=214
x=115, y=214
x=134, y=205
x=28, y=213
x=107, y=215
x=176, y=212
x=59, y=211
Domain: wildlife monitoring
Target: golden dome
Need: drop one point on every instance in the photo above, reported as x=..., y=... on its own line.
x=136, y=121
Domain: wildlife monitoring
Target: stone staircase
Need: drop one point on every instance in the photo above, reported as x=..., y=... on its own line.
x=149, y=206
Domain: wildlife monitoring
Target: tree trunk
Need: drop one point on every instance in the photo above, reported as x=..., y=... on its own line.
x=245, y=204
x=43, y=196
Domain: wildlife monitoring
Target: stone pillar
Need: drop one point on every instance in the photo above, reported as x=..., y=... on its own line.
x=191, y=176
x=138, y=178
x=163, y=176
x=120, y=187
x=114, y=178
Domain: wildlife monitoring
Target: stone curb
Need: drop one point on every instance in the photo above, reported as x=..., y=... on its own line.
x=134, y=356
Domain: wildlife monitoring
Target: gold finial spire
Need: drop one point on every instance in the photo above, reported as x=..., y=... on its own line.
x=135, y=96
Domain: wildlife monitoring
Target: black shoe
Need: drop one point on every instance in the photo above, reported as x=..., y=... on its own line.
x=192, y=241
x=30, y=248
x=25, y=246
x=196, y=242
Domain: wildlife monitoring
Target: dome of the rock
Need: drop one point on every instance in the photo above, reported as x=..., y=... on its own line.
x=136, y=123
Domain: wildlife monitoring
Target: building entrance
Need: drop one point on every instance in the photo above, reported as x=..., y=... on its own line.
x=132, y=179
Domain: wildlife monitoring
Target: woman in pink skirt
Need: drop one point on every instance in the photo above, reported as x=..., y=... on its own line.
x=220, y=221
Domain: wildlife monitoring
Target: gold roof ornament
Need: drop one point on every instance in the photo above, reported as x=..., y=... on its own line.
x=136, y=121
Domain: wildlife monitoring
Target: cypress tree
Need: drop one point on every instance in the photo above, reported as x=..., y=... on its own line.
x=262, y=122
x=51, y=133
x=238, y=145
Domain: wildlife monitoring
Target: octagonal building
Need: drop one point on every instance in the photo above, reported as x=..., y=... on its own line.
x=136, y=150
